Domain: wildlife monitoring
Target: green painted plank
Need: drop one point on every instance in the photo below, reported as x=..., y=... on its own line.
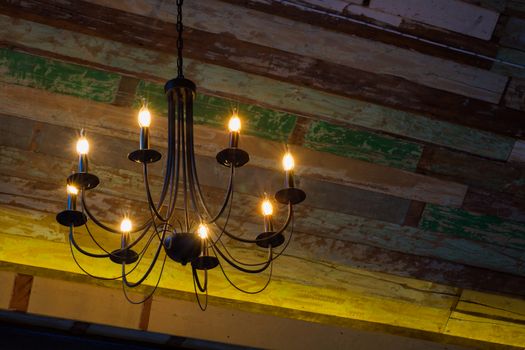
x=463, y=224
x=216, y=111
x=363, y=145
x=55, y=76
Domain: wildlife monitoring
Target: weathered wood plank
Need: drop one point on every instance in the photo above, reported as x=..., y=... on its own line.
x=21, y=293
x=273, y=125
x=503, y=205
x=55, y=76
x=299, y=100
x=304, y=244
x=514, y=34
x=485, y=228
x=453, y=15
x=515, y=94
x=518, y=152
x=513, y=56
x=500, y=318
x=473, y=171
x=217, y=17
x=107, y=120
x=252, y=58
x=331, y=138
x=372, y=297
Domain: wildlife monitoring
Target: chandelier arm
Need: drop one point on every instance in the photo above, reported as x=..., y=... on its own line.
x=244, y=290
x=281, y=230
x=81, y=250
x=240, y=268
x=203, y=308
x=197, y=280
x=105, y=227
x=150, y=268
x=148, y=195
x=174, y=146
x=275, y=256
x=195, y=178
x=181, y=133
x=214, y=242
x=152, y=291
x=94, y=276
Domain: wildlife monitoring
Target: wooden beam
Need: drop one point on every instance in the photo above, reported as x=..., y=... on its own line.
x=257, y=59
x=21, y=291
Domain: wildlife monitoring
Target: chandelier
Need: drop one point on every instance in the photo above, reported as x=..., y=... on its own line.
x=195, y=236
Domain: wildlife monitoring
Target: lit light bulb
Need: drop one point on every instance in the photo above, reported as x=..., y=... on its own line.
x=72, y=190
x=144, y=117
x=288, y=162
x=125, y=225
x=203, y=231
x=234, y=124
x=82, y=146
x=267, y=208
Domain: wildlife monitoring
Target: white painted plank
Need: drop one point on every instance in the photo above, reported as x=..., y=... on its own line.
x=374, y=14
x=308, y=40
x=454, y=15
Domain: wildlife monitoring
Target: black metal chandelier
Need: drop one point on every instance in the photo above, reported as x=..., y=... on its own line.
x=196, y=238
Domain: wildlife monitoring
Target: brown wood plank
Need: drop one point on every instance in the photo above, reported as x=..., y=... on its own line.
x=503, y=205
x=229, y=52
x=145, y=314
x=21, y=293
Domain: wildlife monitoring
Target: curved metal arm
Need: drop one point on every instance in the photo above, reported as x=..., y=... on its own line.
x=105, y=227
x=240, y=268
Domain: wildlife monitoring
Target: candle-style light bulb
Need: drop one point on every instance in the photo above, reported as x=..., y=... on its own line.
x=82, y=150
x=144, y=117
x=125, y=228
x=288, y=165
x=203, y=231
x=125, y=225
x=288, y=162
x=267, y=210
x=82, y=146
x=234, y=125
x=72, y=192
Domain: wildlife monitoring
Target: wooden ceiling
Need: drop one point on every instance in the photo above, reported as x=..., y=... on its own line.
x=407, y=120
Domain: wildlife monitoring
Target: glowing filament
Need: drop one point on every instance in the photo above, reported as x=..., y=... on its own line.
x=235, y=124
x=72, y=190
x=144, y=117
x=82, y=146
x=203, y=231
x=125, y=225
x=288, y=162
x=267, y=208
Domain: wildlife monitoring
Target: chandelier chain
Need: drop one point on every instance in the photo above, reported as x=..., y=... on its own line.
x=180, y=42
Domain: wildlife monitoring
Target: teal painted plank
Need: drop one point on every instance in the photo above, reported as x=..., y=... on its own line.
x=463, y=224
x=513, y=56
x=216, y=112
x=55, y=76
x=363, y=145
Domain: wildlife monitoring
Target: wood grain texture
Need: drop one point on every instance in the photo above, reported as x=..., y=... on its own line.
x=515, y=94
x=453, y=15
x=278, y=95
x=518, y=152
x=514, y=33
x=224, y=18
x=503, y=205
x=321, y=166
x=20, y=296
x=7, y=281
x=229, y=52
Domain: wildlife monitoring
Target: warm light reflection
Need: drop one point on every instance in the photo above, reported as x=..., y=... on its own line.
x=72, y=190
x=144, y=117
x=235, y=124
x=203, y=231
x=267, y=208
x=82, y=146
x=288, y=162
x=125, y=225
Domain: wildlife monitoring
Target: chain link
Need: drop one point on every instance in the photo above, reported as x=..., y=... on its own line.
x=179, y=39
